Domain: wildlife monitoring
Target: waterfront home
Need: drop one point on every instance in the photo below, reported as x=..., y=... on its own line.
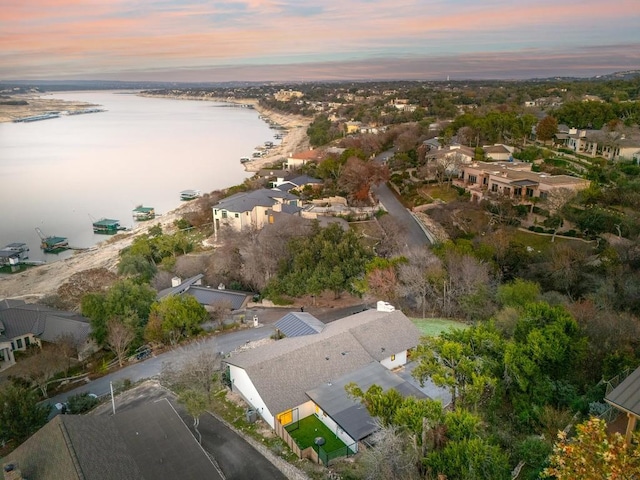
x=297, y=160
x=304, y=373
x=254, y=209
x=206, y=296
x=14, y=253
x=24, y=324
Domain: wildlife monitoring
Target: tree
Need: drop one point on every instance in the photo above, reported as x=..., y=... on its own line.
x=120, y=335
x=420, y=279
x=20, y=413
x=463, y=361
x=518, y=293
x=393, y=456
x=593, y=455
x=547, y=128
x=470, y=459
x=41, y=367
x=199, y=370
x=196, y=404
x=180, y=315
x=81, y=403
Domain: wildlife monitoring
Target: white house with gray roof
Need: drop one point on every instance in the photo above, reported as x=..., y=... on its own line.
x=253, y=209
x=275, y=378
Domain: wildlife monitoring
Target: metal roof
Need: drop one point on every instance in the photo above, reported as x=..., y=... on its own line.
x=247, y=201
x=296, y=324
x=106, y=222
x=349, y=413
x=626, y=396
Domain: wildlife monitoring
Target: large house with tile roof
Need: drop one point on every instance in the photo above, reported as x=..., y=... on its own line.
x=280, y=380
x=149, y=442
x=297, y=160
x=24, y=324
x=254, y=209
x=514, y=180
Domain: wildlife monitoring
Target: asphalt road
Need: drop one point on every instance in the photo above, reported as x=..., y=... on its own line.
x=152, y=366
x=415, y=236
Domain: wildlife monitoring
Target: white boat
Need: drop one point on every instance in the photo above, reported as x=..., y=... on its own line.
x=190, y=194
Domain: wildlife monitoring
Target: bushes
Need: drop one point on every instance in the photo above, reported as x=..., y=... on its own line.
x=81, y=403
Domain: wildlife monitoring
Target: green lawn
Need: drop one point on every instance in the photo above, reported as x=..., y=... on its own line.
x=311, y=427
x=541, y=243
x=433, y=327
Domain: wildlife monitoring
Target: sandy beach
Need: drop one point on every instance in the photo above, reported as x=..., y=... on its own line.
x=44, y=280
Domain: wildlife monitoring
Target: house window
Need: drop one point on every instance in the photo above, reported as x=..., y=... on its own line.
x=215, y=212
x=27, y=341
x=517, y=192
x=237, y=215
x=393, y=358
x=494, y=187
x=224, y=214
x=19, y=343
x=544, y=195
x=529, y=192
x=485, y=180
x=473, y=179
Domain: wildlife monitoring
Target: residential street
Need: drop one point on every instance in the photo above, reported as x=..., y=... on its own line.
x=153, y=366
x=415, y=236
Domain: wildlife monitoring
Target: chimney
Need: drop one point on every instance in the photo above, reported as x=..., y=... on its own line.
x=384, y=307
x=12, y=472
x=176, y=281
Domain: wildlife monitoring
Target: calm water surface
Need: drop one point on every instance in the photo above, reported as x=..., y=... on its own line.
x=61, y=173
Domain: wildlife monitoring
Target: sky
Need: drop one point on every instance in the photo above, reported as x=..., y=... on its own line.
x=301, y=40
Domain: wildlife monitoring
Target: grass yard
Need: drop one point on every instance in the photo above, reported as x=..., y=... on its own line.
x=540, y=243
x=446, y=193
x=433, y=327
x=311, y=427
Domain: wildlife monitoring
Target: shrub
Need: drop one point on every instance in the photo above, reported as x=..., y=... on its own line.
x=81, y=403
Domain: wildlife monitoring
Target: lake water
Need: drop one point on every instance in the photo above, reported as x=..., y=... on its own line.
x=61, y=174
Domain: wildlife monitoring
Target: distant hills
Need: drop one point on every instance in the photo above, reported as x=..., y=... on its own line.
x=62, y=85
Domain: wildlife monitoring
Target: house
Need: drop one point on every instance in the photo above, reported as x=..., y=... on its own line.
x=253, y=209
x=205, y=295
x=23, y=324
x=297, y=183
x=626, y=398
x=514, y=180
x=284, y=381
x=14, y=254
x=498, y=152
x=297, y=160
x=147, y=442
x=598, y=143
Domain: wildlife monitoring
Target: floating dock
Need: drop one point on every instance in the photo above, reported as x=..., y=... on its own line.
x=107, y=226
x=141, y=213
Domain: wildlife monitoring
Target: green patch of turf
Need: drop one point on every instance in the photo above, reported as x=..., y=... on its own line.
x=540, y=243
x=442, y=192
x=309, y=429
x=433, y=327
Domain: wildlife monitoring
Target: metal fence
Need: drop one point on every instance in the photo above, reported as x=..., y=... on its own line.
x=346, y=451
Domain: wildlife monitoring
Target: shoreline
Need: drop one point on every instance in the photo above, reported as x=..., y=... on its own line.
x=293, y=141
x=44, y=280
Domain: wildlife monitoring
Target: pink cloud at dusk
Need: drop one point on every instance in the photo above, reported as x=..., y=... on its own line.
x=42, y=39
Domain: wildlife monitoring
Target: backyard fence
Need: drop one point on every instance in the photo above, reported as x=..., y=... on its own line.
x=308, y=452
x=345, y=451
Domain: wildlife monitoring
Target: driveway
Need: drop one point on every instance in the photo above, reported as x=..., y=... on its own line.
x=415, y=235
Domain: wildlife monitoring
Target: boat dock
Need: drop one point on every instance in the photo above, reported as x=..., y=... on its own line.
x=36, y=118
x=141, y=213
x=107, y=226
x=14, y=254
x=186, y=195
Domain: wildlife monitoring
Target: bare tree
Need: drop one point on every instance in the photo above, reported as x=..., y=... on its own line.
x=67, y=346
x=556, y=200
x=393, y=233
x=394, y=456
x=120, y=335
x=421, y=278
x=41, y=367
x=200, y=370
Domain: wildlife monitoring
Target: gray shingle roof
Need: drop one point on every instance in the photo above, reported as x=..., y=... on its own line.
x=284, y=370
x=206, y=295
x=149, y=442
x=247, y=201
x=296, y=324
x=20, y=318
x=626, y=396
